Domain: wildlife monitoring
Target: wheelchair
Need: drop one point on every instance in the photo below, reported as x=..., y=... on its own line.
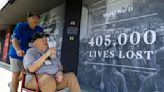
x=23, y=89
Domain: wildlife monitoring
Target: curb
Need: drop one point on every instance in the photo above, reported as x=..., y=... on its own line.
x=5, y=65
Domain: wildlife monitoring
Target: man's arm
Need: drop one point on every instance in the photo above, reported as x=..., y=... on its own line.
x=60, y=66
x=38, y=63
x=15, y=41
x=59, y=75
x=16, y=45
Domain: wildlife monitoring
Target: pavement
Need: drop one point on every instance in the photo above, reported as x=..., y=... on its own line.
x=5, y=77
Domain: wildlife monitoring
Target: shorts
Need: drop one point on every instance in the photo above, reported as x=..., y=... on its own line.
x=15, y=65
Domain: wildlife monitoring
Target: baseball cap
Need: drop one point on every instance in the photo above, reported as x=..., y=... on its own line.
x=30, y=14
x=38, y=35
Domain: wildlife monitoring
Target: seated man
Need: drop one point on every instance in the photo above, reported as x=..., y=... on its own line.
x=41, y=60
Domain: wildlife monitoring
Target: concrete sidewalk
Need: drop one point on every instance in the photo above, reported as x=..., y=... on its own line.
x=5, y=77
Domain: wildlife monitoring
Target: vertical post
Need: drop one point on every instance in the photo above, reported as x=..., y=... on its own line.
x=70, y=45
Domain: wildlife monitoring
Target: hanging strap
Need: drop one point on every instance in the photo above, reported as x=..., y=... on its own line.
x=36, y=78
x=37, y=83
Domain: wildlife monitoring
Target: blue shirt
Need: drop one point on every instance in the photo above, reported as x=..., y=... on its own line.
x=23, y=34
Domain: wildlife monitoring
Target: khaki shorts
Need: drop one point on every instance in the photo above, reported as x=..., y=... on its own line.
x=15, y=65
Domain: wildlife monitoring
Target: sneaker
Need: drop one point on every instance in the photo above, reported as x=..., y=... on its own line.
x=9, y=85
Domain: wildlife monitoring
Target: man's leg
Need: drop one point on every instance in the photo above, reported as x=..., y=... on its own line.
x=70, y=81
x=47, y=83
x=16, y=67
x=15, y=81
x=20, y=78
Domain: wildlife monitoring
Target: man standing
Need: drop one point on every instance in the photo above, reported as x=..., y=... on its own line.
x=155, y=82
x=20, y=43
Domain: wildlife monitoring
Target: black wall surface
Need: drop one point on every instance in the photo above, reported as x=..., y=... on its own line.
x=115, y=37
x=2, y=37
x=70, y=45
x=11, y=32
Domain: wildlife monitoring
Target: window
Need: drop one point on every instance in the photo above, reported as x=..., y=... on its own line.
x=3, y=3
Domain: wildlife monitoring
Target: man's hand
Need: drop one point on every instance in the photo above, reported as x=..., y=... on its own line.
x=59, y=76
x=51, y=51
x=20, y=53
